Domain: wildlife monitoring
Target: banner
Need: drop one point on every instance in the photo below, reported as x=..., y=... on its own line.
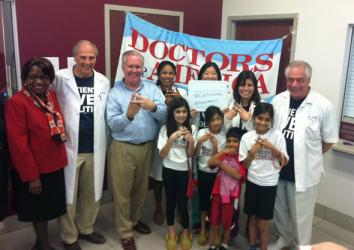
x=189, y=53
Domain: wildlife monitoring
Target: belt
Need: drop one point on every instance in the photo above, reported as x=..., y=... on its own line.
x=137, y=144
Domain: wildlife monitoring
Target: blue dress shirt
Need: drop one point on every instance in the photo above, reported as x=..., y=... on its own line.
x=144, y=126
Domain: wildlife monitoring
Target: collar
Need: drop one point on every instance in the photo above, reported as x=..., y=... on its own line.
x=141, y=85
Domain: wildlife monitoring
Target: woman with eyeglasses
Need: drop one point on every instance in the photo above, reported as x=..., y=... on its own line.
x=36, y=136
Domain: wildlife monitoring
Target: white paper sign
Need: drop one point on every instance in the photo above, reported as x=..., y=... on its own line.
x=70, y=62
x=202, y=94
x=55, y=62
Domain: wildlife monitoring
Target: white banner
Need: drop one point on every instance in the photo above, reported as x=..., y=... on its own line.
x=189, y=53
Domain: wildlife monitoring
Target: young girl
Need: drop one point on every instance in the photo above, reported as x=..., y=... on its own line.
x=176, y=145
x=209, y=72
x=166, y=73
x=263, y=152
x=226, y=188
x=209, y=141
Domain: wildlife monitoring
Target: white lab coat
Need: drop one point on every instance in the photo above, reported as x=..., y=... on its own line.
x=315, y=121
x=69, y=101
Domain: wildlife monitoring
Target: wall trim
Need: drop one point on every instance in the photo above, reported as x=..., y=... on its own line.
x=335, y=217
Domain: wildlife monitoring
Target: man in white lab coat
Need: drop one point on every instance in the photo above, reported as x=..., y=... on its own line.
x=82, y=93
x=309, y=124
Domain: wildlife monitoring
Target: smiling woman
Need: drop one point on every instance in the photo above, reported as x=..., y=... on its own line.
x=36, y=136
x=246, y=97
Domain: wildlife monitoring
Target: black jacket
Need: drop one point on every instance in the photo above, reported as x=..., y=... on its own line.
x=4, y=160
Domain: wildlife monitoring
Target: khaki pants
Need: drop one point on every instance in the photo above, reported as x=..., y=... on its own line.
x=81, y=215
x=293, y=213
x=129, y=169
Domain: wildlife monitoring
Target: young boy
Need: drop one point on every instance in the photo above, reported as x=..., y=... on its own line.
x=227, y=187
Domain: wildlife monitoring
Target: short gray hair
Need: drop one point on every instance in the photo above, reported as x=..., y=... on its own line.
x=131, y=53
x=300, y=63
x=81, y=42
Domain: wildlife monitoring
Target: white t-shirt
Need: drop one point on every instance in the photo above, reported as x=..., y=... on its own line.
x=264, y=169
x=176, y=158
x=207, y=149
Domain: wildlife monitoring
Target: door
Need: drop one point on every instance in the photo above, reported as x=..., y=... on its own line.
x=266, y=29
x=8, y=75
x=116, y=19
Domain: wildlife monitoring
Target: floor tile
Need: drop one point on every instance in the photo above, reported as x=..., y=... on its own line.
x=22, y=238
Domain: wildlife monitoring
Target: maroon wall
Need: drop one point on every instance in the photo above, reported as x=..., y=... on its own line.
x=51, y=28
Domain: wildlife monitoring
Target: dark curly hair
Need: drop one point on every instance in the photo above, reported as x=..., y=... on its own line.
x=43, y=63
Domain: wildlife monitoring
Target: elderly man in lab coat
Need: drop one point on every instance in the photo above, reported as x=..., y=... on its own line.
x=309, y=124
x=82, y=93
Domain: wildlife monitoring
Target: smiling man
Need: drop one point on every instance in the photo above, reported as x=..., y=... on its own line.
x=134, y=109
x=82, y=93
x=309, y=124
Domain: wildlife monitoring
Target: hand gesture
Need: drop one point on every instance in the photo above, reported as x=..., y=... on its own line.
x=179, y=134
x=266, y=144
x=169, y=95
x=256, y=147
x=213, y=140
x=133, y=107
x=244, y=114
x=204, y=138
x=194, y=113
x=35, y=187
x=142, y=101
x=231, y=113
x=188, y=136
x=228, y=150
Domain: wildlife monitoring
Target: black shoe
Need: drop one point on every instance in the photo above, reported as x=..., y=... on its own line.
x=128, y=243
x=94, y=238
x=142, y=228
x=72, y=246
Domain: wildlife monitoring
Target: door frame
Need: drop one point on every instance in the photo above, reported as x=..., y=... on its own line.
x=11, y=46
x=110, y=7
x=232, y=25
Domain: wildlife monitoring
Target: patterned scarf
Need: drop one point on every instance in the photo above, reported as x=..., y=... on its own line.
x=55, y=120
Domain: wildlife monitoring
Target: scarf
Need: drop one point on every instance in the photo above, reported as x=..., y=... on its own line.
x=55, y=120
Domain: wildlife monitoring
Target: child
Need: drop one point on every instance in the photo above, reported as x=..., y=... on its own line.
x=209, y=141
x=263, y=152
x=227, y=187
x=176, y=145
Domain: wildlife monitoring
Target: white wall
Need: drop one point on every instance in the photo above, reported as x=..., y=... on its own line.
x=321, y=39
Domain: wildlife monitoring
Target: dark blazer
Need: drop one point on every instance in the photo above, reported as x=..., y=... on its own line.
x=4, y=160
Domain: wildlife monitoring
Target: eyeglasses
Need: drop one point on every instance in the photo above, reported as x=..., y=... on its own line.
x=41, y=78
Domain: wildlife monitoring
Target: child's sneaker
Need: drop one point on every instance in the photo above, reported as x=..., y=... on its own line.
x=222, y=247
x=212, y=248
x=171, y=244
x=202, y=239
x=186, y=242
x=253, y=248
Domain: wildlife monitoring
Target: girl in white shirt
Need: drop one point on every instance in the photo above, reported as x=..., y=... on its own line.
x=176, y=145
x=263, y=152
x=209, y=141
x=166, y=74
